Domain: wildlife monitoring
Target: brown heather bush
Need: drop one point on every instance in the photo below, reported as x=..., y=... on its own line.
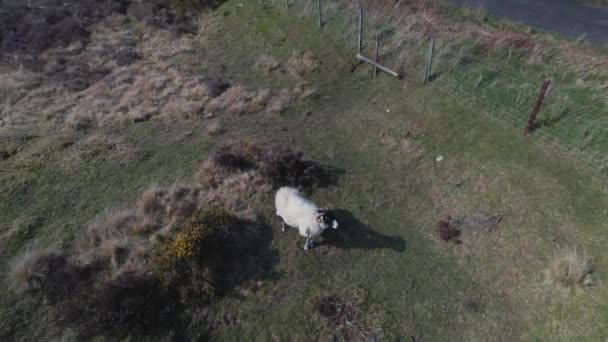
x=302, y=63
x=570, y=270
x=278, y=165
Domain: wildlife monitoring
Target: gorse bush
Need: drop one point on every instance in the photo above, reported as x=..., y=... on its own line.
x=187, y=262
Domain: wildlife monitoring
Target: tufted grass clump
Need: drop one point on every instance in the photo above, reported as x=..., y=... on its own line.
x=570, y=270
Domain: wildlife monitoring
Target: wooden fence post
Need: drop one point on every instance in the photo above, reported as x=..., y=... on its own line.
x=536, y=107
x=376, y=58
x=379, y=66
x=360, y=42
x=320, y=18
x=429, y=62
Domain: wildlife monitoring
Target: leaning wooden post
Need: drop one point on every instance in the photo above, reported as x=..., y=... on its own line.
x=320, y=18
x=376, y=58
x=429, y=62
x=379, y=66
x=360, y=41
x=536, y=107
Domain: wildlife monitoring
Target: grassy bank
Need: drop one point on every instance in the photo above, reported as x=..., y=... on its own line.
x=497, y=64
x=517, y=204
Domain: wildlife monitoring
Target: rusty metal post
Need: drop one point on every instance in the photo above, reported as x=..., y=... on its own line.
x=536, y=107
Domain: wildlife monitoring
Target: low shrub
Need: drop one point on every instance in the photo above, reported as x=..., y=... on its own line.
x=203, y=260
x=280, y=166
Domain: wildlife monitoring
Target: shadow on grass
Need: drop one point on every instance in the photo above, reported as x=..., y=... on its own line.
x=144, y=305
x=547, y=122
x=352, y=233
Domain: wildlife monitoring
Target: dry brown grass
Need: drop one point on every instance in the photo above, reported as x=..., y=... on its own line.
x=119, y=80
x=302, y=63
x=123, y=238
x=570, y=270
x=238, y=100
x=215, y=127
x=266, y=64
x=23, y=270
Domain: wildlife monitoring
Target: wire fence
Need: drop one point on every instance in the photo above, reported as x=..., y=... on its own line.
x=570, y=122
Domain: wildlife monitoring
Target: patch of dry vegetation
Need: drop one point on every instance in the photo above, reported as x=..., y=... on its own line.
x=276, y=164
x=24, y=273
x=266, y=64
x=570, y=270
x=136, y=271
x=125, y=73
x=349, y=319
x=302, y=63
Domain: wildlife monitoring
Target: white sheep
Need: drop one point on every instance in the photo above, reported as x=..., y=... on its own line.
x=298, y=212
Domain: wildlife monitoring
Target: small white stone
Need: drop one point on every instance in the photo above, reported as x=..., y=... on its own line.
x=388, y=110
x=439, y=158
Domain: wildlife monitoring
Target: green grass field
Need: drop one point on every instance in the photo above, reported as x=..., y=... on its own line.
x=385, y=134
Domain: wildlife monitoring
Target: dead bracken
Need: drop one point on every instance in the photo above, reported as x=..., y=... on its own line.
x=342, y=316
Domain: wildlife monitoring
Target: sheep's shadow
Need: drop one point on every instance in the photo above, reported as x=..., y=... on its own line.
x=352, y=233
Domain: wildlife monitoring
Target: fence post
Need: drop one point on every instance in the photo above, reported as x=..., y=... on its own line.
x=360, y=41
x=286, y=4
x=379, y=66
x=320, y=18
x=536, y=107
x=376, y=58
x=429, y=62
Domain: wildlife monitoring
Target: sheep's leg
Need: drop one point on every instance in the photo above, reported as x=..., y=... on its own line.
x=282, y=223
x=309, y=242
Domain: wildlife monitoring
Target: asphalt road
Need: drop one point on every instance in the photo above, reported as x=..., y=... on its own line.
x=567, y=17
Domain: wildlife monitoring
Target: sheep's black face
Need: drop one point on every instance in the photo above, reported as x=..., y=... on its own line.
x=326, y=219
